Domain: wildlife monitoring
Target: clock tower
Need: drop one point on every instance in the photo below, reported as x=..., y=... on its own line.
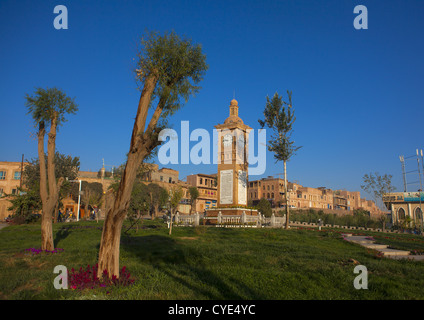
x=232, y=160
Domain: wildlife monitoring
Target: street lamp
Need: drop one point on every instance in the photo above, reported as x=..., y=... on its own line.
x=79, y=196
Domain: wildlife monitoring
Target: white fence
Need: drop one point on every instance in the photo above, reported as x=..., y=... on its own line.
x=231, y=221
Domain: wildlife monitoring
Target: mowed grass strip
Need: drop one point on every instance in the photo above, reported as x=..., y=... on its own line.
x=210, y=263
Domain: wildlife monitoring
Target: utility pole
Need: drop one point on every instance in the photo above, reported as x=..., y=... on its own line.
x=79, y=196
x=402, y=161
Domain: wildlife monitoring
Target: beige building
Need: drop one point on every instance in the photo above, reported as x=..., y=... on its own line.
x=10, y=181
x=405, y=204
x=208, y=191
x=169, y=180
x=301, y=197
x=271, y=189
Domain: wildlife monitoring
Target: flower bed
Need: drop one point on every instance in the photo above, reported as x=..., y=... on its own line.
x=87, y=278
x=38, y=251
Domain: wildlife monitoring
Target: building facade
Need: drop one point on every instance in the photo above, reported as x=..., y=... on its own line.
x=207, y=186
x=301, y=197
x=10, y=182
x=405, y=204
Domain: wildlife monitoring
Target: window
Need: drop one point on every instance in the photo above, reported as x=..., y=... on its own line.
x=201, y=180
x=2, y=175
x=272, y=187
x=418, y=213
x=1, y=192
x=161, y=178
x=272, y=195
x=268, y=187
x=17, y=175
x=401, y=214
x=14, y=191
x=268, y=195
x=170, y=180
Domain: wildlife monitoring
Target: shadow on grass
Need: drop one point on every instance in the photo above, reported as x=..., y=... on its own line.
x=61, y=234
x=184, y=265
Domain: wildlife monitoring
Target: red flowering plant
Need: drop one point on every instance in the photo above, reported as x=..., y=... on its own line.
x=38, y=251
x=87, y=278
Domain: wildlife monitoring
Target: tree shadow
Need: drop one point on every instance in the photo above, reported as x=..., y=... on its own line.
x=176, y=261
x=63, y=233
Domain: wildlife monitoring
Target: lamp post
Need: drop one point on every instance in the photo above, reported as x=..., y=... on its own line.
x=79, y=196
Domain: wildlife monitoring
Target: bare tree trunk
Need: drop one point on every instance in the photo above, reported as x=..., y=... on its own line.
x=287, y=195
x=56, y=209
x=170, y=224
x=49, y=196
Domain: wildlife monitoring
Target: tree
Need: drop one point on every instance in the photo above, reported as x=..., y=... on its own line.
x=25, y=204
x=194, y=194
x=264, y=207
x=140, y=203
x=48, y=108
x=175, y=197
x=168, y=70
x=66, y=166
x=91, y=194
x=158, y=197
x=378, y=186
x=279, y=117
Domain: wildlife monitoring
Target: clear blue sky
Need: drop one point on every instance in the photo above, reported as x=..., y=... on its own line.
x=358, y=94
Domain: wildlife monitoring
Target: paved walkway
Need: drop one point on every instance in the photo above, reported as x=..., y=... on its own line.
x=2, y=225
x=367, y=242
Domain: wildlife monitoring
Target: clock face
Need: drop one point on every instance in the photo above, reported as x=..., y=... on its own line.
x=228, y=139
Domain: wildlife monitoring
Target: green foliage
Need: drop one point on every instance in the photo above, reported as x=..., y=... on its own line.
x=279, y=117
x=179, y=64
x=92, y=193
x=357, y=218
x=66, y=166
x=25, y=205
x=175, y=198
x=194, y=193
x=159, y=195
x=50, y=103
x=378, y=185
x=264, y=207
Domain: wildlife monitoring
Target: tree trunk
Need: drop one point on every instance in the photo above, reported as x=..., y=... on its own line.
x=140, y=146
x=47, y=228
x=49, y=196
x=170, y=223
x=287, y=195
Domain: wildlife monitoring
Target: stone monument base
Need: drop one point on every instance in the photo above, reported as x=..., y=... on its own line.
x=216, y=216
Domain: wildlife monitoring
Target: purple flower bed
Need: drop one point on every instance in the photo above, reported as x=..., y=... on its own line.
x=87, y=278
x=38, y=251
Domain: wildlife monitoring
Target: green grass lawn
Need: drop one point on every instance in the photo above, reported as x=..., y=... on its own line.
x=211, y=263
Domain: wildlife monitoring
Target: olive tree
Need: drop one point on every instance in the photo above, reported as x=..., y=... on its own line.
x=48, y=108
x=168, y=71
